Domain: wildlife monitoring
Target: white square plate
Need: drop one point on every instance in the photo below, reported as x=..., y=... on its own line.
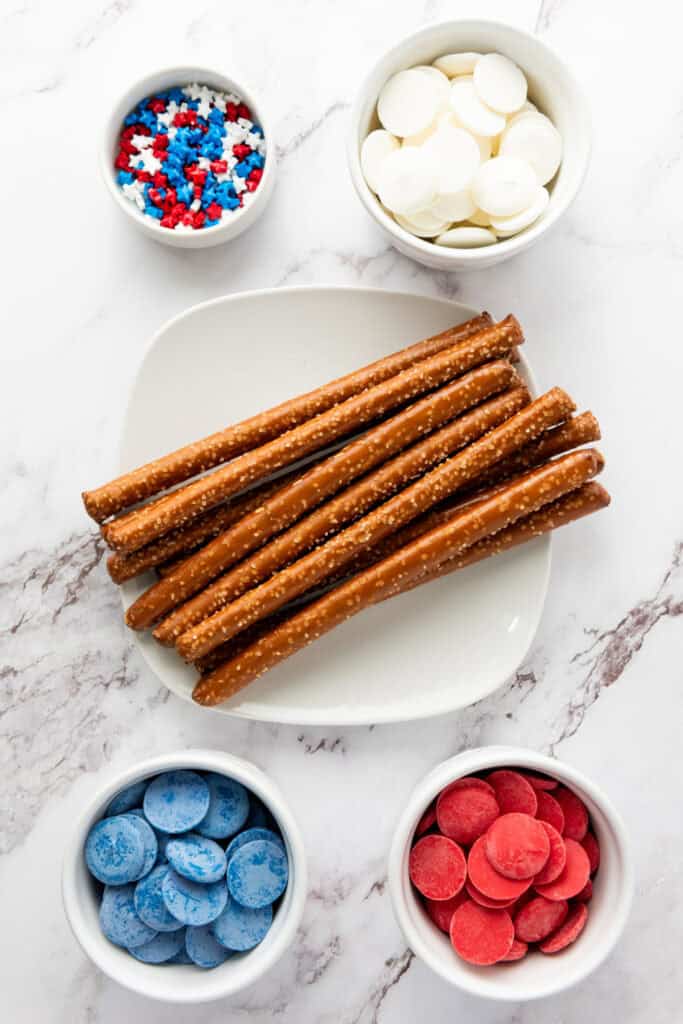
x=433, y=650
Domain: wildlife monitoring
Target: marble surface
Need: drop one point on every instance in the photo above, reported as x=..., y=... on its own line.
x=602, y=684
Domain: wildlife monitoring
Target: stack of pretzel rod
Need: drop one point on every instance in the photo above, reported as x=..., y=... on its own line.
x=419, y=464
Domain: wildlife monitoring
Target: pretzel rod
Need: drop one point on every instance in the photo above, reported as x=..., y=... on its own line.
x=196, y=458
x=269, y=486
x=272, y=486
x=576, y=431
x=122, y=566
x=344, y=508
x=184, y=504
x=413, y=562
x=455, y=472
x=288, y=505
x=582, y=502
x=164, y=568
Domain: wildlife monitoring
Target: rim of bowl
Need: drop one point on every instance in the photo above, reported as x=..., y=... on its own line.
x=475, y=760
x=505, y=246
x=203, y=74
x=218, y=983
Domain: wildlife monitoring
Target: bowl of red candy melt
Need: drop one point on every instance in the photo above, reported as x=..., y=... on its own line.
x=509, y=873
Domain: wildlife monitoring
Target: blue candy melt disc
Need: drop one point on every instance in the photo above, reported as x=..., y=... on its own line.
x=248, y=836
x=193, y=902
x=115, y=851
x=196, y=857
x=149, y=902
x=159, y=949
x=127, y=799
x=240, y=928
x=149, y=841
x=181, y=957
x=176, y=801
x=258, y=873
x=203, y=949
x=228, y=807
x=118, y=919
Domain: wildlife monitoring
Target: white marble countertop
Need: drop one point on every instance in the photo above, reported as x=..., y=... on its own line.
x=83, y=294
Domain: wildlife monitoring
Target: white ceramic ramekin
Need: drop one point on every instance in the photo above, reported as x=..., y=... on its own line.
x=537, y=975
x=551, y=86
x=166, y=78
x=184, y=983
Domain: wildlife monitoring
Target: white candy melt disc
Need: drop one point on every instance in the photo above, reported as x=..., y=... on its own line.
x=503, y=186
x=457, y=155
x=480, y=218
x=506, y=226
x=471, y=112
x=453, y=64
x=534, y=138
x=448, y=117
x=438, y=77
x=526, y=108
x=466, y=238
x=500, y=84
x=424, y=225
x=374, y=151
x=421, y=137
x=409, y=102
x=408, y=181
x=514, y=118
x=454, y=206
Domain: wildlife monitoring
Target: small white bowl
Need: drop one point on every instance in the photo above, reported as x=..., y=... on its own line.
x=551, y=86
x=166, y=78
x=184, y=983
x=537, y=975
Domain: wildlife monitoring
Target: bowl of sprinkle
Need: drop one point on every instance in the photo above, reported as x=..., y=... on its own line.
x=187, y=156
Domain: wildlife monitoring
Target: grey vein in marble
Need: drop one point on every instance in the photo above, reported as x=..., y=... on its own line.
x=302, y=136
x=328, y=746
x=395, y=967
x=56, y=676
x=547, y=12
x=611, y=652
x=107, y=17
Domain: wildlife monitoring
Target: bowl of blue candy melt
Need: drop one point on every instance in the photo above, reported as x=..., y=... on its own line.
x=185, y=878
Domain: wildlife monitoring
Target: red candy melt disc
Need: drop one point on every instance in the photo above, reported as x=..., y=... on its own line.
x=557, y=857
x=427, y=819
x=549, y=810
x=465, y=809
x=441, y=911
x=541, y=781
x=481, y=936
x=590, y=845
x=513, y=792
x=539, y=918
x=489, y=881
x=518, y=951
x=575, y=814
x=573, y=876
x=568, y=932
x=517, y=845
x=586, y=894
x=437, y=867
x=486, y=901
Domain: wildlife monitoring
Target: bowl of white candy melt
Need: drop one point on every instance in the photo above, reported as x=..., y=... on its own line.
x=469, y=139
